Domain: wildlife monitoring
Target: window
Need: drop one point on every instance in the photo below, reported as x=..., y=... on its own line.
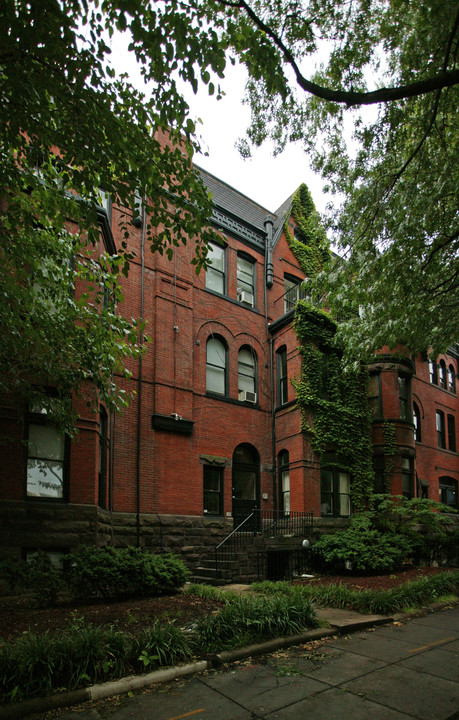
x=433, y=373
x=216, y=366
x=448, y=492
x=213, y=490
x=245, y=280
x=404, y=396
x=105, y=202
x=451, y=433
x=417, y=423
x=246, y=364
x=215, y=273
x=451, y=379
x=282, y=377
x=379, y=466
x=407, y=477
x=440, y=420
x=284, y=482
x=335, y=492
x=374, y=395
x=46, y=458
x=292, y=292
x=442, y=374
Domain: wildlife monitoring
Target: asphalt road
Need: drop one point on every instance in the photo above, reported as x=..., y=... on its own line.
x=392, y=672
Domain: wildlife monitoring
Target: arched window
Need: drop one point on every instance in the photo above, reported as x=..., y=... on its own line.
x=216, y=366
x=433, y=372
x=284, y=482
x=451, y=379
x=442, y=374
x=417, y=423
x=247, y=371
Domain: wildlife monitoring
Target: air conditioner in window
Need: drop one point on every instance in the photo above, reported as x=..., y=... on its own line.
x=245, y=297
x=247, y=396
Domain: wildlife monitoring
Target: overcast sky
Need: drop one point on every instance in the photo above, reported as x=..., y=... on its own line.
x=266, y=179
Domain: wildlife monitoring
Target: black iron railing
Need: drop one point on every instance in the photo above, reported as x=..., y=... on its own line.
x=268, y=523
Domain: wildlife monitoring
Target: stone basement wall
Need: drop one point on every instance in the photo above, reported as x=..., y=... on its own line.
x=48, y=526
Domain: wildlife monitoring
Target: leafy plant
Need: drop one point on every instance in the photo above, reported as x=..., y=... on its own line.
x=44, y=579
x=113, y=572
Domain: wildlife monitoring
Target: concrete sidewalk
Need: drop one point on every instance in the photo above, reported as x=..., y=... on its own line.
x=340, y=622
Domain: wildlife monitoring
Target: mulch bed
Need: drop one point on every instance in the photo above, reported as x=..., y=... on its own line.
x=18, y=613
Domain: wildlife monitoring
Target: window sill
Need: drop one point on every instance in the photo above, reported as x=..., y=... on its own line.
x=232, y=401
x=232, y=300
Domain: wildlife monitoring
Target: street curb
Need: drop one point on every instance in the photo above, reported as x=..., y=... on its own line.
x=35, y=706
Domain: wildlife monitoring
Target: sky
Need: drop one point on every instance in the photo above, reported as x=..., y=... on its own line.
x=264, y=178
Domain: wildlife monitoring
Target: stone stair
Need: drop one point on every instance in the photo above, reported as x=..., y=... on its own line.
x=206, y=572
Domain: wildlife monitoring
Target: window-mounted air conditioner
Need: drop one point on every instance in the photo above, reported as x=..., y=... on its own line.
x=247, y=396
x=245, y=297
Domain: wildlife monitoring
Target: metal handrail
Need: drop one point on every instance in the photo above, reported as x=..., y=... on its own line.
x=265, y=522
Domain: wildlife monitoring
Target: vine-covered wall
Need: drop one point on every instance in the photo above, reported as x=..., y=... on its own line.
x=309, y=244
x=334, y=403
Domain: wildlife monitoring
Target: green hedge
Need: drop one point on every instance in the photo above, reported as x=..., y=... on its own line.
x=123, y=572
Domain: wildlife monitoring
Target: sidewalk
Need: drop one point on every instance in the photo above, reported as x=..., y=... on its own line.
x=338, y=621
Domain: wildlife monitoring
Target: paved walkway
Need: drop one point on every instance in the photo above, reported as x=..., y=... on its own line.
x=390, y=672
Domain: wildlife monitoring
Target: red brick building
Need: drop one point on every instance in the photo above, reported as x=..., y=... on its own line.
x=213, y=429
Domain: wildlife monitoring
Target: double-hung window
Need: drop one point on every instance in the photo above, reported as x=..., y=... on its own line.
x=404, y=397
x=213, y=490
x=335, y=488
x=292, y=292
x=282, y=377
x=407, y=477
x=440, y=422
x=246, y=280
x=46, y=457
x=216, y=366
x=246, y=364
x=215, y=273
x=451, y=433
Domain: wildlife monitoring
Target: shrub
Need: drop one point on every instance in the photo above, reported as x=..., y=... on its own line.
x=365, y=547
x=43, y=579
x=13, y=573
x=131, y=571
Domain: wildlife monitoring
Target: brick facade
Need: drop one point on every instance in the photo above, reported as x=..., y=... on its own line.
x=143, y=483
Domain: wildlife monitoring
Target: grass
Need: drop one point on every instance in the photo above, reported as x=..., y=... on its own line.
x=411, y=595
x=83, y=654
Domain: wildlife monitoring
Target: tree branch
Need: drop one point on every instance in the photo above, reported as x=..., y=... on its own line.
x=446, y=78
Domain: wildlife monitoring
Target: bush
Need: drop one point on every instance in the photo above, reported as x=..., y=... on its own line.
x=13, y=573
x=367, y=549
x=123, y=572
x=44, y=579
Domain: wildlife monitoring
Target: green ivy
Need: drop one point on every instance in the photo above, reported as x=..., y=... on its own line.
x=334, y=402
x=310, y=244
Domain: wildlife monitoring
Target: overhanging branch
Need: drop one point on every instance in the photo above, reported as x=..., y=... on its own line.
x=444, y=79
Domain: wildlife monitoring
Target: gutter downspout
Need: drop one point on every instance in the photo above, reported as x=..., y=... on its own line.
x=269, y=281
x=139, y=403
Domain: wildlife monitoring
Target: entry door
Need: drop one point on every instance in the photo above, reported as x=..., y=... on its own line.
x=246, y=481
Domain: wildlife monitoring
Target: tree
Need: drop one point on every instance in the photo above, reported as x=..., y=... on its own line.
x=397, y=228
x=69, y=128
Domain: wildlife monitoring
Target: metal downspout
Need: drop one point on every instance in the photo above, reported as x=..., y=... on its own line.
x=269, y=280
x=139, y=401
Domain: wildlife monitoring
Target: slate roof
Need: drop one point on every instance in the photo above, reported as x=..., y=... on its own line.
x=230, y=200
